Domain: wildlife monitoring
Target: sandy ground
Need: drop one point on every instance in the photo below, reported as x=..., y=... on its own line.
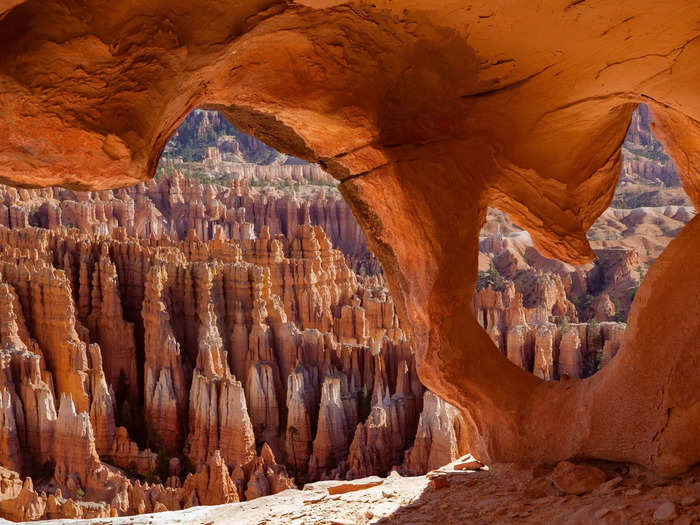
x=503, y=494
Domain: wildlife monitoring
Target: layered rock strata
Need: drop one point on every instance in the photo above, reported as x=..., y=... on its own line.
x=172, y=205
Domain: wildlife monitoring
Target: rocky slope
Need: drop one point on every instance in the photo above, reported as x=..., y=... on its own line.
x=648, y=177
x=625, y=241
x=207, y=147
x=204, y=131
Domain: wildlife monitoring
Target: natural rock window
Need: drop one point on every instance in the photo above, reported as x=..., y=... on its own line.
x=234, y=317
x=427, y=113
x=557, y=320
x=221, y=333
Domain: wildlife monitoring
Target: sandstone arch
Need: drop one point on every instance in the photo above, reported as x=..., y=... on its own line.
x=427, y=115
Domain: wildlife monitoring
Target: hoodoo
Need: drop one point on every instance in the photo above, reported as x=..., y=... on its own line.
x=428, y=113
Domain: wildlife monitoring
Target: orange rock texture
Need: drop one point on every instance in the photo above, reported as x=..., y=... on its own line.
x=212, y=346
x=428, y=114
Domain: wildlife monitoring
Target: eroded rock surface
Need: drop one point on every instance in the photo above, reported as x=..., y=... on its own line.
x=428, y=115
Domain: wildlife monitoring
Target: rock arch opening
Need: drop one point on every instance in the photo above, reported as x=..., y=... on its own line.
x=557, y=320
x=426, y=116
x=224, y=321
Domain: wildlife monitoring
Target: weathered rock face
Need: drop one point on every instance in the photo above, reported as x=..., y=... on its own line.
x=626, y=242
x=212, y=483
x=543, y=365
x=576, y=479
x=424, y=139
x=331, y=442
x=165, y=390
x=541, y=339
x=302, y=385
x=379, y=442
x=643, y=155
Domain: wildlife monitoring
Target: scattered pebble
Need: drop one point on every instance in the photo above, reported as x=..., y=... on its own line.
x=666, y=511
x=439, y=482
x=469, y=465
x=689, y=501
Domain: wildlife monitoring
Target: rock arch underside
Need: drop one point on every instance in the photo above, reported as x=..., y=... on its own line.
x=427, y=112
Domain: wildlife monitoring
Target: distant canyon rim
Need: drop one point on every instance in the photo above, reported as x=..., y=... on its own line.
x=416, y=261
